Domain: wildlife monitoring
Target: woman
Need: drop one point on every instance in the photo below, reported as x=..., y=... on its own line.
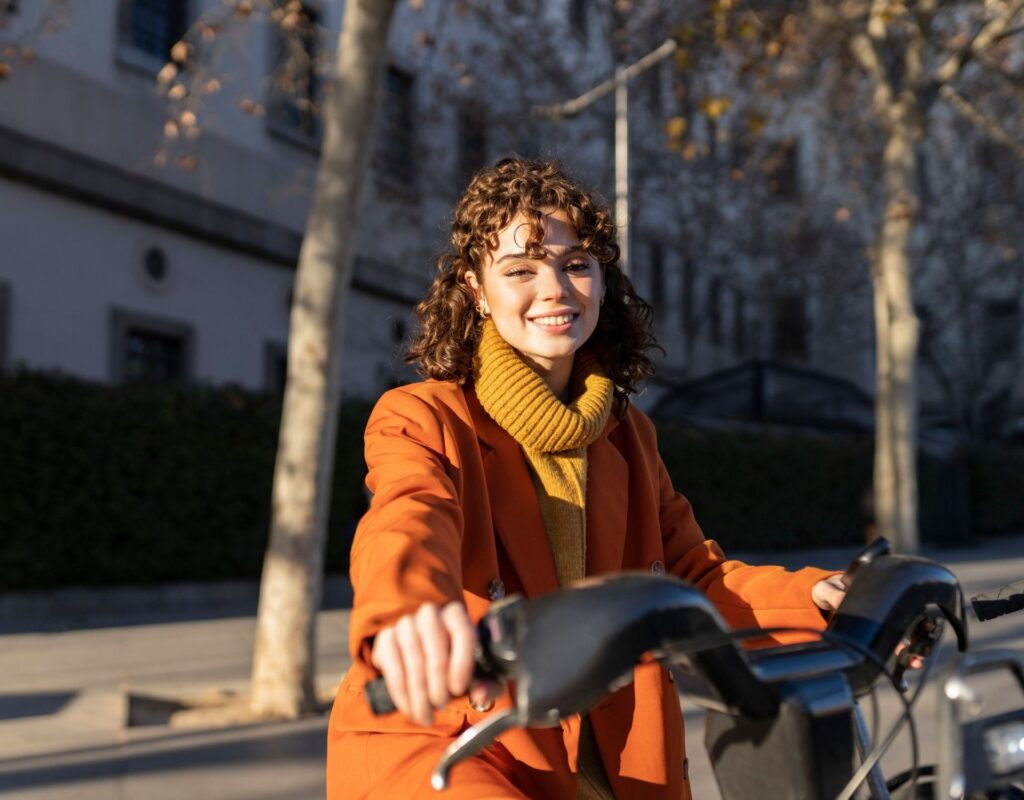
x=520, y=466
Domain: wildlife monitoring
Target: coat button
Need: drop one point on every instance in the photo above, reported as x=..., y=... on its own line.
x=657, y=567
x=487, y=705
x=496, y=589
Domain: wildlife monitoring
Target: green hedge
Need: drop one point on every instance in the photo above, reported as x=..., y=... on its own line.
x=102, y=485
x=997, y=490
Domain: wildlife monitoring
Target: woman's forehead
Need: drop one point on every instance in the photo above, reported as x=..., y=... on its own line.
x=558, y=232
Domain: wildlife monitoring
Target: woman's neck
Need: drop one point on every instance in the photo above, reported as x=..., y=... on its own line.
x=556, y=374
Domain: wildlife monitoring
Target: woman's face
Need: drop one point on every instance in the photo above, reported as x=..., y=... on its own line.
x=548, y=308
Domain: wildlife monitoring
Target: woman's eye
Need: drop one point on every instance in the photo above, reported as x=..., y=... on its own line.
x=578, y=266
x=517, y=272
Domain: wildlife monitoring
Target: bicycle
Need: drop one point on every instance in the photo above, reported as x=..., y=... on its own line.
x=782, y=721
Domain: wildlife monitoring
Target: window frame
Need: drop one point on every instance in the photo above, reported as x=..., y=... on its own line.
x=130, y=54
x=122, y=321
x=275, y=356
x=5, y=323
x=470, y=119
x=280, y=104
x=397, y=135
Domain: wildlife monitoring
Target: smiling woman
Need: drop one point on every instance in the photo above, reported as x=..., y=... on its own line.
x=515, y=221
x=520, y=466
x=545, y=307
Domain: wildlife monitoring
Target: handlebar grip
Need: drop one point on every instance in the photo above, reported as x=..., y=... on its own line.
x=378, y=697
x=1004, y=600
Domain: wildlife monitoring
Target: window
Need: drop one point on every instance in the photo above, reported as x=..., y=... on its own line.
x=715, y=310
x=5, y=316
x=1001, y=328
x=472, y=144
x=652, y=86
x=275, y=367
x=790, y=327
x=295, y=82
x=578, y=17
x=150, y=350
x=687, y=300
x=997, y=178
x=656, y=272
x=149, y=29
x=395, y=145
x=739, y=324
x=780, y=169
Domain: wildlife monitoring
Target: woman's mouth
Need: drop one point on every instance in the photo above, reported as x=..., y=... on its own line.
x=555, y=323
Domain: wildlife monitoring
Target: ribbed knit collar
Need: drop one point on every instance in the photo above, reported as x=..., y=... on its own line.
x=517, y=398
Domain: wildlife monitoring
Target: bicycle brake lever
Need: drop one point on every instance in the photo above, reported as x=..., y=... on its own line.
x=922, y=640
x=472, y=741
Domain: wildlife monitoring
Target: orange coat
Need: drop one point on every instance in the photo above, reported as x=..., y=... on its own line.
x=454, y=512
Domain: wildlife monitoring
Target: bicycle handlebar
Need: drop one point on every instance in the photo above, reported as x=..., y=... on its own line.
x=568, y=649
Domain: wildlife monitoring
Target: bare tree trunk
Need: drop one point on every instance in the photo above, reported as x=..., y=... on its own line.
x=290, y=591
x=896, y=424
x=884, y=492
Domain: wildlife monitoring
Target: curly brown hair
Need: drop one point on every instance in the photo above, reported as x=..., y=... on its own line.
x=449, y=322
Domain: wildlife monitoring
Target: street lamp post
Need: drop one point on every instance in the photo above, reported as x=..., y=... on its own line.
x=620, y=83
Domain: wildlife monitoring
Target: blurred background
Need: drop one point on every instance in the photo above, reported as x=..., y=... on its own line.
x=822, y=201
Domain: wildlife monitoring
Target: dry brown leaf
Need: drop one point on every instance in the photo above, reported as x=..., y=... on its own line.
x=167, y=73
x=179, y=52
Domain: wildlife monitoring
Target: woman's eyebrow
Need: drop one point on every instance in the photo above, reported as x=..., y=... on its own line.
x=554, y=251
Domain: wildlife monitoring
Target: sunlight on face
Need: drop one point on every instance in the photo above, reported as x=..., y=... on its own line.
x=548, y=308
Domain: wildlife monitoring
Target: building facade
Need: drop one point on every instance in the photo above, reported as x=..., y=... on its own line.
x=157, y=158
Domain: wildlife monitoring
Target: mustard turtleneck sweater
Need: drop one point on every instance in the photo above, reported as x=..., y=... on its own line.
x=554, y=437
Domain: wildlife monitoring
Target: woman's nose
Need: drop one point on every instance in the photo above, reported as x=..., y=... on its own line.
x=553, y=284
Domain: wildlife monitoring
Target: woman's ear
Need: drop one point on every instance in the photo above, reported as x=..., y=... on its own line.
x=478, y=293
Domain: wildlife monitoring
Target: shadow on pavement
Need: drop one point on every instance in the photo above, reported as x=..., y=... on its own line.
x=33, y=704
x=168, y=754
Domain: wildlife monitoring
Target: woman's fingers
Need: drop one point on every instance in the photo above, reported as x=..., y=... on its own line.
x=435, y=642
x=426, y=658
x=828, y=594
x=387, y=658
x=414, y=662
x=462, y=637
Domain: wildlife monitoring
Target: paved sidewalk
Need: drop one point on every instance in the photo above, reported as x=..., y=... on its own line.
x=62, y=693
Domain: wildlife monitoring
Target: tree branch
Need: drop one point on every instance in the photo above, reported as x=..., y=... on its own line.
x=976, y=117
x=987, y=35
x=866, y=53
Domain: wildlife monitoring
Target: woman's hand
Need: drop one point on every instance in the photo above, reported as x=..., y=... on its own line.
x=827, y=594
x=427, y=658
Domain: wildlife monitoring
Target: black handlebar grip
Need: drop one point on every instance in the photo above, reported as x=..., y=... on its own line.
x=1004, y=600
x=377, y=696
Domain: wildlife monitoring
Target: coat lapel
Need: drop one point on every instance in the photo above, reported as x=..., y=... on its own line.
x=607, y=504
x=514, y=507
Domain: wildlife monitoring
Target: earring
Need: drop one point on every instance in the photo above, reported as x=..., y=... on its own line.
x=484, y=312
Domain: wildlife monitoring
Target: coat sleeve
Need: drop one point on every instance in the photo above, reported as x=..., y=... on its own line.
x=747, y=596
x=407, y=546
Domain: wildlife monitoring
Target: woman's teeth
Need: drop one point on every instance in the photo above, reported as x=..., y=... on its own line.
x=561, y=319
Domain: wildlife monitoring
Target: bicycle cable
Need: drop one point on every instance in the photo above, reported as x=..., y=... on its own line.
x=870, y=759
